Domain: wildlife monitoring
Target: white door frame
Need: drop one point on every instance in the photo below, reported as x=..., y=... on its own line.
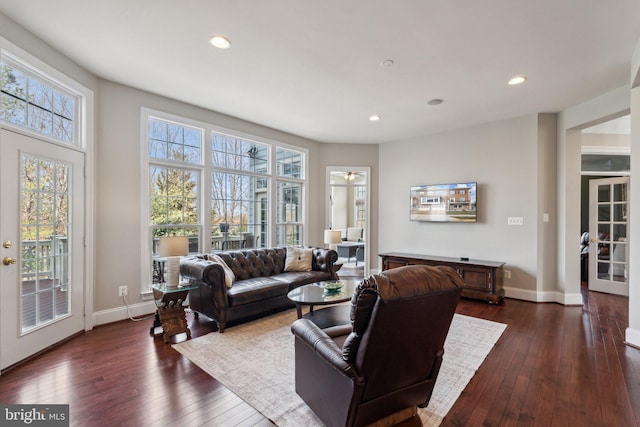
x=19, y=343
x=86, y=135
x=328, y=214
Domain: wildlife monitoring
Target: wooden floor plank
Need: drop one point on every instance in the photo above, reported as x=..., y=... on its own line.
x=554, y=365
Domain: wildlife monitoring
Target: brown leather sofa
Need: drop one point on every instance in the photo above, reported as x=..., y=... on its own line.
x=261, y=284
x=385, y=364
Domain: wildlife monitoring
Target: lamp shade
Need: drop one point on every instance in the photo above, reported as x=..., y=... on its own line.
x=174, y=246
x=331, y=237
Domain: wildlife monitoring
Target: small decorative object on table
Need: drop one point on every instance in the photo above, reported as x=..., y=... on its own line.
x=333, y=286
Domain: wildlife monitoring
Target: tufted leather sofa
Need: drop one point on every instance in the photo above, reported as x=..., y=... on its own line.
x=261, y=284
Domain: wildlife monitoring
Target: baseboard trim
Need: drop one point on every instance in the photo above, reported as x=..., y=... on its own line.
x=544, y=296
x=120, y=313
x=632, y=337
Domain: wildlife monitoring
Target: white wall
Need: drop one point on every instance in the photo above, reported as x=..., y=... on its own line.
x=609, y=105
x=503, y=158
x=633, y=331
x=547, y=219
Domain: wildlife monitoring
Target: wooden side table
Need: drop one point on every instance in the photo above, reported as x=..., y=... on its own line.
x=170, y=312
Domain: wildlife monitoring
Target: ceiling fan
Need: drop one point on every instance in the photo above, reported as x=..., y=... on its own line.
x=350, y=176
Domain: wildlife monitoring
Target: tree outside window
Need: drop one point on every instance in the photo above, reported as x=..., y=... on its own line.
x=239, y=201
x=28, y=102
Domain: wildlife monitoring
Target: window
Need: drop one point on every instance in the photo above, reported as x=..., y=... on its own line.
x=289, y=197
x=609, y=163
x=229, y=192
x=289, y=220
x=175, y=153
x=360, y=202
x=239, y=201
x=169, y=141
x=35, y=103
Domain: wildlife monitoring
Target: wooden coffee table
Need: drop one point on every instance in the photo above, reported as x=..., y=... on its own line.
x=316, y=294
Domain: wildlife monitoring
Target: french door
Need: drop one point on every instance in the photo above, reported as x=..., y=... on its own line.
x=41, y=245
x=608, y=235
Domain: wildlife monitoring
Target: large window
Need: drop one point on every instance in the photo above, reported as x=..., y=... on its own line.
x=289, y=222
x=229, y=192
x=239, y=201
x=35, y=103
x=175, y=153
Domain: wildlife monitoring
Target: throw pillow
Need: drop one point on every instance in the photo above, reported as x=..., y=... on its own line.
x=298, y=259
x=229, y=277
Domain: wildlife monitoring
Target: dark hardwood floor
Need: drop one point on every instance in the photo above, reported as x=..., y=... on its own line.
x=554, y=365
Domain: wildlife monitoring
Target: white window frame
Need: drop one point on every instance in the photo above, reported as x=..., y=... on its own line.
x=69, y=88
x=205, y=184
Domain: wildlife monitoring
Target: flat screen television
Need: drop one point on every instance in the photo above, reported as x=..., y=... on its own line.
x=444, y=202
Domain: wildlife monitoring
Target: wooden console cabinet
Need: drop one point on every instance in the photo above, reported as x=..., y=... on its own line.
x=482, y=279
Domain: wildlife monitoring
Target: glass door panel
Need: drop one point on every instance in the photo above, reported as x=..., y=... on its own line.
x=608, y=246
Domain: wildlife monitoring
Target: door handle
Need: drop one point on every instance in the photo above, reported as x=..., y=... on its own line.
x=8, y=260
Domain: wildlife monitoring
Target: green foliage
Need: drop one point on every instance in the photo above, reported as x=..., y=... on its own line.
x=174, y=199
x=12, y=91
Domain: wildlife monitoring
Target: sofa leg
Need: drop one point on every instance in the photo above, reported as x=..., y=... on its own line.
x=221, y=327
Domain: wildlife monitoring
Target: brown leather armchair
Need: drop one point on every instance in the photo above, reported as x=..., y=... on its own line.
x=388, y=360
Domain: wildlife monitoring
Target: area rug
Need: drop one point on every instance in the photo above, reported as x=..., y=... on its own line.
x=256, y=361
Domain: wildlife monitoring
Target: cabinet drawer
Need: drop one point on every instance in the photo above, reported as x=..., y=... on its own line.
x=476, y=278
x=393, y=263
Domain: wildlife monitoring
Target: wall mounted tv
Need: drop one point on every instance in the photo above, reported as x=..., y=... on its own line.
x=444, y=202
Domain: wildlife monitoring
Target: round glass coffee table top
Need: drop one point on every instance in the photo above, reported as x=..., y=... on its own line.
x=323, y=293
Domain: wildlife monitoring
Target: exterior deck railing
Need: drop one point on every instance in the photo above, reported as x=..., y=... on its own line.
x=46, y=259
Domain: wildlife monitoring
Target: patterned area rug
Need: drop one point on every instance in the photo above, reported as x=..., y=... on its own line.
x=256, y=361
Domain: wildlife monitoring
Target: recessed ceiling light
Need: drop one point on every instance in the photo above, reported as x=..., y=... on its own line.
x=517, y=80
x=374, y=118
x=435, y=101
x=220, y=42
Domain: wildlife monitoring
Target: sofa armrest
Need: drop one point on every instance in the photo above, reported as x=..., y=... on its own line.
x=208, y=276
x=325, y=260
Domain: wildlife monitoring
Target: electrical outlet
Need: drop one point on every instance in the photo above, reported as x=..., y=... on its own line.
x=507, y=274
x=515, y=220
x=122, y=291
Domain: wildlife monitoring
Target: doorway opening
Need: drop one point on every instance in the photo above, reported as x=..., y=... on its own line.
x=348, y=211
x=605, y=170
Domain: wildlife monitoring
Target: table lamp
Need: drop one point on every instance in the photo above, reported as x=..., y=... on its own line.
x=173, y=248
x=332, y=237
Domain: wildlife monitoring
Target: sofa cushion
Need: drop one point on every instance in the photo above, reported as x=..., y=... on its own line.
x=298, y=259
x=249, y=263
x=299, y=278
x=256, y=289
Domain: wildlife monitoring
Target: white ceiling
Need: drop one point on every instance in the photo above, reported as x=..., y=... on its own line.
x=312, y=68
x=619, y=126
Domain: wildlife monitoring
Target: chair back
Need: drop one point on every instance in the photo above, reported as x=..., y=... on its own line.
x=400, y=320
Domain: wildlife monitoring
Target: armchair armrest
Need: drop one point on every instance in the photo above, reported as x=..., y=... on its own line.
x=315, y=338
x=323, y=379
